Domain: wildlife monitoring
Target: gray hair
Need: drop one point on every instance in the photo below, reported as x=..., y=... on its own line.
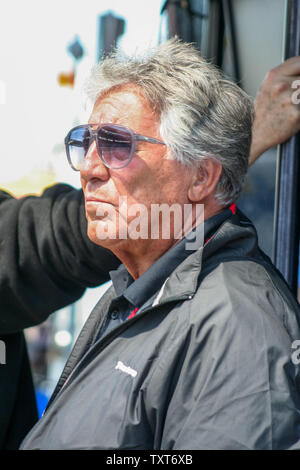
x=202, y=115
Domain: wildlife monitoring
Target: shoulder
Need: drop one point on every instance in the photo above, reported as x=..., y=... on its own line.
x=250, y=298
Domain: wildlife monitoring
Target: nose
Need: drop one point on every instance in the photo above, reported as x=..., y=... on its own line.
x=92, y=165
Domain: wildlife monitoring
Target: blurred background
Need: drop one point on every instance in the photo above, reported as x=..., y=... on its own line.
x=46, y=52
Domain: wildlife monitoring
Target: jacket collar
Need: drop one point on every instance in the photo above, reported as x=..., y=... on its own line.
x=235, y=238
x=145, y=287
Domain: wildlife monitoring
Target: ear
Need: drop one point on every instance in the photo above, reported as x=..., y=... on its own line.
x=205, y=180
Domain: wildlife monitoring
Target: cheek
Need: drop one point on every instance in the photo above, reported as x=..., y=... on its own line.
x=156, y=182
x=155, y=188
x=170, y=185
x=83, y=183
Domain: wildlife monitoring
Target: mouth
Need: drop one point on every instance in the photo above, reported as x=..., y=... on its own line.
x=97, y=207
x=95, y=200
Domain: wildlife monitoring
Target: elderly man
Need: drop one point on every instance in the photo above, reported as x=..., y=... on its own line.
x=191, y=347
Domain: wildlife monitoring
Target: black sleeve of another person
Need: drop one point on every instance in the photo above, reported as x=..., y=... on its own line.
x=46, y=262
x=46, y=258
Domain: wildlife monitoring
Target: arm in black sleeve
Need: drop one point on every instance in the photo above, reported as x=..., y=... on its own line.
x=46, y=258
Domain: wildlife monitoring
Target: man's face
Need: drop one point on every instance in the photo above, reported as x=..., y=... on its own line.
x=152, y=177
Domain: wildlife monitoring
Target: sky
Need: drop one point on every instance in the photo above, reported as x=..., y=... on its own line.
x=35, y=112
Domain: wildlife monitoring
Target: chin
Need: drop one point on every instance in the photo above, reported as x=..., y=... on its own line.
x=98, y=234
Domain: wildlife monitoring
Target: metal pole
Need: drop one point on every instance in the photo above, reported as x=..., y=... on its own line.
x=286, y=228
x=185, y=19
x=230, y=31
x=215, y=33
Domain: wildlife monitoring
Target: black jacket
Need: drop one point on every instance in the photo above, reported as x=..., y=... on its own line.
x=46, y=262
x=206, y=365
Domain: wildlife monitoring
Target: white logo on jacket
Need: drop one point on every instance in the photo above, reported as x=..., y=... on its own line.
x=126, y=369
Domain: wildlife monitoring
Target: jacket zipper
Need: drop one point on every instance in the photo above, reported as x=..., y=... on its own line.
x=100, y=346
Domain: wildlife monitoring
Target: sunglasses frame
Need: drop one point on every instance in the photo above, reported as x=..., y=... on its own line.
x=94, y=137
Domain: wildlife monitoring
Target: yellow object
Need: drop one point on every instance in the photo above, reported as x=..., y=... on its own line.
x=66, y=79
x=30, y=184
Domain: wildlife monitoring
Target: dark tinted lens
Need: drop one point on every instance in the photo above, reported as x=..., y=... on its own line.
x=115, y=145
x=78, y=143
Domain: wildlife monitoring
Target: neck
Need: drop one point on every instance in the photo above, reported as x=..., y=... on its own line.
x=141, y=254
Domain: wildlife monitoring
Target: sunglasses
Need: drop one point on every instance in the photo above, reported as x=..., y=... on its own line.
x=115, y=144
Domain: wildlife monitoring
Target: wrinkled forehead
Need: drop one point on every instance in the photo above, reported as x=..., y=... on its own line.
x=124, y=105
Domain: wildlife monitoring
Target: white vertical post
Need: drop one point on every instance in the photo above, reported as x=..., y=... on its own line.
x=2, y=92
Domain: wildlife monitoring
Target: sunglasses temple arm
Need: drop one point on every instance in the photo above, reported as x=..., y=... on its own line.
x=148, y=139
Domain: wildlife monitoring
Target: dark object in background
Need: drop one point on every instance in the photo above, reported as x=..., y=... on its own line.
x=18, y=410
x=287, y=222
x=110, y=28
